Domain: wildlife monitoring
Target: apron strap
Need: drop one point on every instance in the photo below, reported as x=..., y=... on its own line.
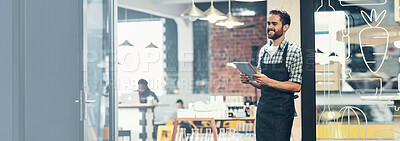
x=285, y=54
x=283, y=57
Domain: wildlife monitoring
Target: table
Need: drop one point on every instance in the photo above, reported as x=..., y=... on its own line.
x=396, y=111
x=139, y=119
x=246, y=119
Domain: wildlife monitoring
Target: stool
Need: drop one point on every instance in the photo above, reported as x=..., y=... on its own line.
x=169, y=122
x=206, y=124
x=164, y=131
x=124, y=133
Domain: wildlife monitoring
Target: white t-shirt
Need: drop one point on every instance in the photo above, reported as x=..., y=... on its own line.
x=272, y=50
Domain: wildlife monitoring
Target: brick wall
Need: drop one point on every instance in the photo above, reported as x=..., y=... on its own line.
x=234, y=45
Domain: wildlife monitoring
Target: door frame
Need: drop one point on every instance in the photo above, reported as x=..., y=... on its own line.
x=308, y=103
x=109, y=14
x=113, y=116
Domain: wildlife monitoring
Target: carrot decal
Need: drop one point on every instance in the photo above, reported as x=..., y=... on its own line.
x=365, y=35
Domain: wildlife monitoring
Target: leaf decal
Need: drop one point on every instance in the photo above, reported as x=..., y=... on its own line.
x=373, y=17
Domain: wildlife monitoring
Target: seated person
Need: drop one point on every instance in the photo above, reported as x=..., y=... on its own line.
x=145, y=92
x=184, y=124
x=179, y=104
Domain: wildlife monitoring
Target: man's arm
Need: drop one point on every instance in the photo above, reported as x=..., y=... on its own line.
x=288, y=86
x=155, y=96
x=285, y=86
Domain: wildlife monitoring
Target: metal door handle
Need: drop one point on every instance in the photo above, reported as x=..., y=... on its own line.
x=90, y=101
x=80, y=101
x=85, y=102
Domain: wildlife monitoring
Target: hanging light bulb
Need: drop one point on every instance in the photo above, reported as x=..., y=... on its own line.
x=126, y=42
x=213, y=14
x=230, y=21
x=193, y=13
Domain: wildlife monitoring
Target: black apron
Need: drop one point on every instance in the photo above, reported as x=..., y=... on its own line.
x=275, y=110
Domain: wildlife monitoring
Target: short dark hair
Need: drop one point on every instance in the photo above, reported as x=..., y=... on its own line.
x=142, y=81
x=179, y=101
x=285, y=17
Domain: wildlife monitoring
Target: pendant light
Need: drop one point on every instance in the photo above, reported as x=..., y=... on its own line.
x=193, y=13
x=151, y=45
x=230, y=21
x=126, y=42
x=213, y=14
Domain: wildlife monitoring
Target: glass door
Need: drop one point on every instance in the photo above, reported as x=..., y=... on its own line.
x=357, y=66
x=98, y=73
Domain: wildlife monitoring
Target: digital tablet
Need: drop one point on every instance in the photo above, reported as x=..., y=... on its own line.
x=246, y=68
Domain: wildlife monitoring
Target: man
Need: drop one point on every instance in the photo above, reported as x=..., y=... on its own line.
x=183, y=124
x=179, y=104
x=280, y=63
x=145, y=92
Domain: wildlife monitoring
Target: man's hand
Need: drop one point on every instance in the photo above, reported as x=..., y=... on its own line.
x=244, y=78
x=261, y=79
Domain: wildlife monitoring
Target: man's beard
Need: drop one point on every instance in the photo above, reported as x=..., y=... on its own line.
x=276, y=35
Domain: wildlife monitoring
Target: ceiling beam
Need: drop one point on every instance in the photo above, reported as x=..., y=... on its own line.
x=154, y=7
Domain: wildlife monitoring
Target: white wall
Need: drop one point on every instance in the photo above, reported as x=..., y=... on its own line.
x=185, y=55
x=138, y=62
x=293, y=8
x=185, y=51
